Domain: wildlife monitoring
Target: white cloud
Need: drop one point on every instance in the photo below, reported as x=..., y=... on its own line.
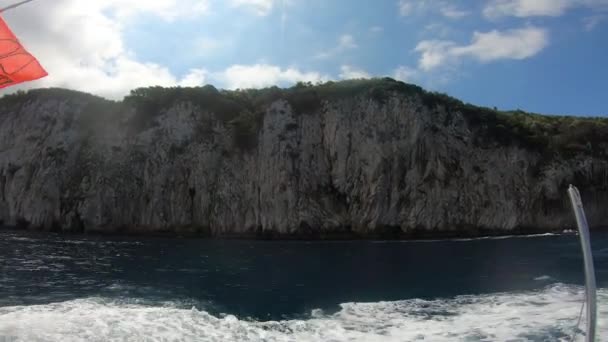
x=532, y=8
x=204, y=44
x=376, y=29
x=512, y=44
x=433, y=53
x=417, y=7
x=437, y=30
x=593, y=21
x=405, y=74
x=166, y=9
x=349, y=72
x=195, y=77
x=81, y=44
x=485, y=47
x=263, y=75
x=406, y=7
x=205, y=47
x=345, y=42
x=453, y=12
x=526, y=8
x=260, y=7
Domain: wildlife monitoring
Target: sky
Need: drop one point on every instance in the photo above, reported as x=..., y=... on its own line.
x=545, y=56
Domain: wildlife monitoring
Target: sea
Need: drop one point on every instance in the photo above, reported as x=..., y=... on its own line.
x=97, y=288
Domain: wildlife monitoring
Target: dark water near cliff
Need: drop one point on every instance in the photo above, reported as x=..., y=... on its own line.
x=68, y=288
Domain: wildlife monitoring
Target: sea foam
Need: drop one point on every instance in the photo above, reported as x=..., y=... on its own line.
x=547, y=314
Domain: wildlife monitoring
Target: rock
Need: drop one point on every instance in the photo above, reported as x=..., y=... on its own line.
x=360, y=165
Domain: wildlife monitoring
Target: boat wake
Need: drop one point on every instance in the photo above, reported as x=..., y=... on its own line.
x=547, y=314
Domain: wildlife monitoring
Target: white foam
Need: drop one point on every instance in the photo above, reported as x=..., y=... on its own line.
x=503, y=237
x=543, y=278
x=500, y=237
x=549, y=314
x=21, y=239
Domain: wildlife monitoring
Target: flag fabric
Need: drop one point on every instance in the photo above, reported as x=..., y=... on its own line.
x=16, y=64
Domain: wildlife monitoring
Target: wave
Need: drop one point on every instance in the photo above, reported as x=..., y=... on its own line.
x=20, y=239
x=500, y=237
x=44, y=239
x=507, y=237
x=548, y=314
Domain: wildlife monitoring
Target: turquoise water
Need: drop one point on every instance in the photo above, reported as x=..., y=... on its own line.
x=76, y=288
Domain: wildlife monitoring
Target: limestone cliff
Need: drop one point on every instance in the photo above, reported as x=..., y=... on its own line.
x=357, y=158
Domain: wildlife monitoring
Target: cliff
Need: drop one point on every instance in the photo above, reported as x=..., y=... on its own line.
x=368, y=158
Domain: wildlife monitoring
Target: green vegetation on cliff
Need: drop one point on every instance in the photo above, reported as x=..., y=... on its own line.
x=243, y=110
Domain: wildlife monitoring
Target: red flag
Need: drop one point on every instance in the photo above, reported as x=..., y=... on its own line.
x=16, y=64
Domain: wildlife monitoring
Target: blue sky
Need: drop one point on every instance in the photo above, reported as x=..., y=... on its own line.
x=546, y=56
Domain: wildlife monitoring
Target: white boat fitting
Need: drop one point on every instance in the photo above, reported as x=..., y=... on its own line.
x=590, y=285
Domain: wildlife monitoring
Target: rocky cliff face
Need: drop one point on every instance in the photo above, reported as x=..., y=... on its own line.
x=349, y=165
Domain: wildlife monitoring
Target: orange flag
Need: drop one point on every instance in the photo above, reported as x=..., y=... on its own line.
x=16, y=64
